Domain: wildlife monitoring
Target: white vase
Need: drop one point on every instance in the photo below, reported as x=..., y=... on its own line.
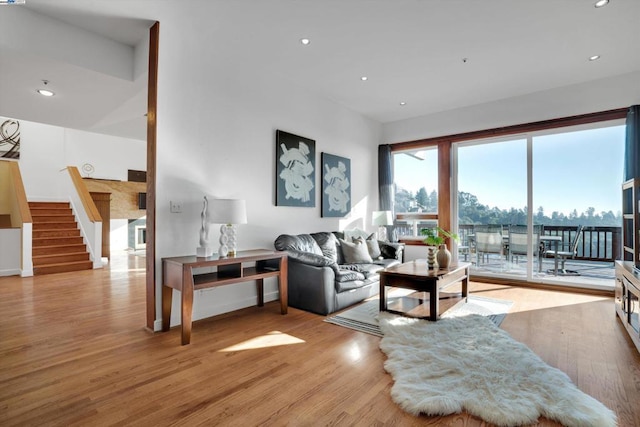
x=443, y=257
x=431, y=256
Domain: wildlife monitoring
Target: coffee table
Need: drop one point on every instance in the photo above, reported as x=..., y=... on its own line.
x=417, y=276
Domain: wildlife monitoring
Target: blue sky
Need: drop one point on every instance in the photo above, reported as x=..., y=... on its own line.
x=572, y=170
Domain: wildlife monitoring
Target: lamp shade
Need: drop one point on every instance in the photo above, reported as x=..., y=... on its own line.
x=381, y=218
x=228, y=211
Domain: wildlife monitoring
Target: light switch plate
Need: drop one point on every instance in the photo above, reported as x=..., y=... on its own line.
x=175, y=207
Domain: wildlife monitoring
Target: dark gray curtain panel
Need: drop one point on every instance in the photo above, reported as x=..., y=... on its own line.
x=385, y=178
x=632, y=144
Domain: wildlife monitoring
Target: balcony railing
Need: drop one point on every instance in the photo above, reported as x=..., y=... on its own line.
x=597, y=243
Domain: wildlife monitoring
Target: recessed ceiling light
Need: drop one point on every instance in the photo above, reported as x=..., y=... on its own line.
x=601, y=3
x=594, y=58
x=402, y=104
x=45, y=92
x=305, y=41
x=364, y=78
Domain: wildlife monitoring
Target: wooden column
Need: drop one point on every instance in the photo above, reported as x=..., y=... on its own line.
x=444, y=186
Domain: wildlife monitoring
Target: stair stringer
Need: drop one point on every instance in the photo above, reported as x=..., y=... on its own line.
x=92, y=236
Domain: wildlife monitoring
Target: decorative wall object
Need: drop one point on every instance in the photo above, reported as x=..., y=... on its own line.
x=295, y=170
x=10, y=139
x=88, y=169
x=336, y=185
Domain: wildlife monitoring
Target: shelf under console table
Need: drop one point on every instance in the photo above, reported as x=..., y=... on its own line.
x=178, y=273
x=627, y=295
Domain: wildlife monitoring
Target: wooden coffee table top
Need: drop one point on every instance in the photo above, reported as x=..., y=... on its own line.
x=419, y=268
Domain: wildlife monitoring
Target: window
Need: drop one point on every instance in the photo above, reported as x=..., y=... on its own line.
x=523, y=175
x=416, y=190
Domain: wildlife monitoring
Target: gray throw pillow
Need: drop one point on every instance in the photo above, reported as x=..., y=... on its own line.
x=374, y=248
x=355, y=253
x=372, y=245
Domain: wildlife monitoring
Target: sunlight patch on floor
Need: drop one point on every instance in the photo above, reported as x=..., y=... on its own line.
x=558, y=302
x=272, y=339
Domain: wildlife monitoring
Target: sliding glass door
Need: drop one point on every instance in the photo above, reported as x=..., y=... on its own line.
x=577, y=197
x=492, y=195
x=542, y=207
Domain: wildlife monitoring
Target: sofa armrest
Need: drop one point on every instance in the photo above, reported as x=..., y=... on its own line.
x=311, y=288
x=391, y=250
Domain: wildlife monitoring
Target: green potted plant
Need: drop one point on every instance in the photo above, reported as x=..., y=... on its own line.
x=436, y=237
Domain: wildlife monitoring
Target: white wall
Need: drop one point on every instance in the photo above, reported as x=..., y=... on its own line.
x=9, y=257
x=216, y=136
x=46, y=149
x=599, y=95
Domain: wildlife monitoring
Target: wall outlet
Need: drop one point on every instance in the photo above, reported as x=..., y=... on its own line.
x=175, y=207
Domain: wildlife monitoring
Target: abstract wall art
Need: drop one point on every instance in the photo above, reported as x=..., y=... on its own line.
x=10, y=139
x=295, y=170
x=336, y=185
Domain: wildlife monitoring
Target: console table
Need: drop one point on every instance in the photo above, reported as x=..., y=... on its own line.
x=627, y=295
x=178, y=273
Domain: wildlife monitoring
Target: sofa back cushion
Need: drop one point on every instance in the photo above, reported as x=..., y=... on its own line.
x=300, y=242
x=328, y=244
x=339, y=235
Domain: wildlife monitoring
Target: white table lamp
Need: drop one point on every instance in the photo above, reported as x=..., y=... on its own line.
x=228, y=213
x=382, y=219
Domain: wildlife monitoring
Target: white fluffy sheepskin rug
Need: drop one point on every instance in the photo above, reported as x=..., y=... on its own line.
x=469, y=364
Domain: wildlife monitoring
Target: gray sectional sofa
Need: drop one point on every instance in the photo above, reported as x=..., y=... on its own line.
x=328, y=272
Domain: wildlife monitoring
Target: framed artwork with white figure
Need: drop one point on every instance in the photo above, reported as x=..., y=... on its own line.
x=336, y=185
x=295, y=170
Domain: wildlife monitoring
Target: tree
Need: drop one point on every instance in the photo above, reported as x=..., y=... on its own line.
x=422, y=199
x=433, y=202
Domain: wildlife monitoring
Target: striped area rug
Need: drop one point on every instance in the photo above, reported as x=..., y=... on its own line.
x=364, y=317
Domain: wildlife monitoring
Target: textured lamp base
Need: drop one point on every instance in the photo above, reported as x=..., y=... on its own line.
x=382, y=233
x=223, y=251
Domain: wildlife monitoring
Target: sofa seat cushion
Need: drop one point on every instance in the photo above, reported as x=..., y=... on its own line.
x=386, y=263
x=348, y=275
x=370, y=270
x=355, y=284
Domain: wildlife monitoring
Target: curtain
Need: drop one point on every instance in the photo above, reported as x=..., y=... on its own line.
x=385, y=185
x=385, y=178
x=632, y=144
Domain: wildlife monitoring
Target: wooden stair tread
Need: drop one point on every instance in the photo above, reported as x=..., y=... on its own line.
x=63, y=267
x=56, y=241
x=53, y=217
x=65, y=245
x=62, y=254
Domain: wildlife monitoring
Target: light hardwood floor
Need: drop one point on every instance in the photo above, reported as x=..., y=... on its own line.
x=73, y=351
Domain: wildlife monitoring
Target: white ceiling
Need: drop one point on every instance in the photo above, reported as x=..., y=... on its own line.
x=435, y=55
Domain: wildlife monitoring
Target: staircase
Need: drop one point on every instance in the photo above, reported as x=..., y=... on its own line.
x=57, y=243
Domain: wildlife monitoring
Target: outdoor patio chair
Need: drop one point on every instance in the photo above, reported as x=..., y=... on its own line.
x=570, y=252
x=488, y=240
x=518, y=242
